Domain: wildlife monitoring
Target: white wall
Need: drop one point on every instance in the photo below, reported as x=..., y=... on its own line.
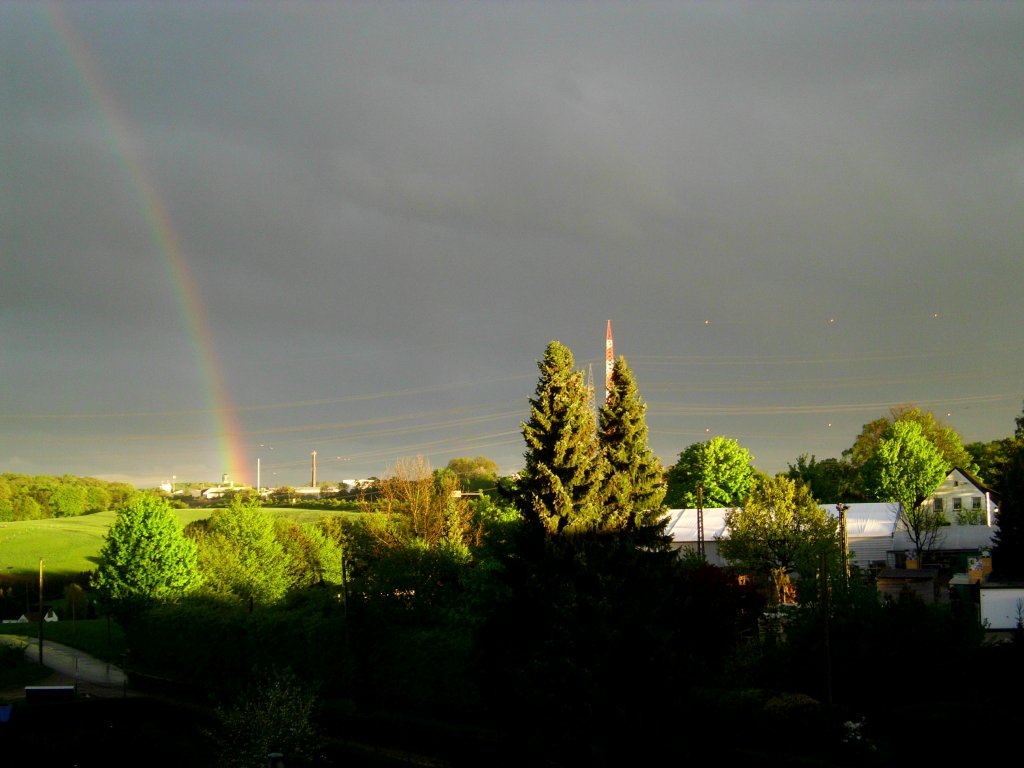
x=999, y=607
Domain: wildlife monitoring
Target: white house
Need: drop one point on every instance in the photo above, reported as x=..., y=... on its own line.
x=964, y=500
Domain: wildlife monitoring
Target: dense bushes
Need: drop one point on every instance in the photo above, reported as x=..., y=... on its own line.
x=215, y=644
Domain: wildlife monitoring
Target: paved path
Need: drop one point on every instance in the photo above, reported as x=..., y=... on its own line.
x=72, y=663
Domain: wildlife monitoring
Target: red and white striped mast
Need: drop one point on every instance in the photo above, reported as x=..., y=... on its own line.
x=609, y=362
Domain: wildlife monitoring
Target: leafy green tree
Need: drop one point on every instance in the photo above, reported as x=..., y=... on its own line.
x=479, y=473
x=941, y=435
x=992, y=459
x=240, y=555
x=6, y=506
x=635, y=485
x=780, y=529
x=314, y=559
x=68, y=498
x=830, y=480
x=27, y=508
x=906, y=468
x=145, y=558
x=560, y=486
x=97, y=498
x=719, y=466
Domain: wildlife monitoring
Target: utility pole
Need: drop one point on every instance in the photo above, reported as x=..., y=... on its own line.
x=313, y=484
x=841, y=508
x=40, y=611
x=825, y=610
x=700, y=522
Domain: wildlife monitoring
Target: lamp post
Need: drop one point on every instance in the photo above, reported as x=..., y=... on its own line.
x=841, y=508
x=40, y=611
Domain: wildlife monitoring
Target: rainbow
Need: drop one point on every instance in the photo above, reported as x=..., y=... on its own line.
x=127, y=148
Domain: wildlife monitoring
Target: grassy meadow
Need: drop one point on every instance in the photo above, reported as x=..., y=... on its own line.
x=71, y=545
x=67, y=545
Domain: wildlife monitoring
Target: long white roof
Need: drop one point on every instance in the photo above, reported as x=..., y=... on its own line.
x=867, y=520
x=863, y=521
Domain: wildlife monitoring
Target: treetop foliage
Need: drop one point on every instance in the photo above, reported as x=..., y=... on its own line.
x=477, y=473
x=906, y=468
x=240, y=555
x=720, y=467
x=560, y=487
x=780, y=528
x=145, y=558
x=941, y=435
x=635, y=490
x=830, y=480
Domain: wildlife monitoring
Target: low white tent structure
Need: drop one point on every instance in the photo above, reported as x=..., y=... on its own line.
x=682, y=528
x=869, y=531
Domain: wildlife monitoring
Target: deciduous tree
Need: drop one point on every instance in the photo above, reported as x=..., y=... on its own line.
x=145, y=558
x=240, y=555
x=479, y=473
x=830, y=480
x=905, y=469
x=780, y=529
x=992, y=459
x=719, y=466
x=941, y=435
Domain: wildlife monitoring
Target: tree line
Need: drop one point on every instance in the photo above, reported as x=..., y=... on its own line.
x=37, y=497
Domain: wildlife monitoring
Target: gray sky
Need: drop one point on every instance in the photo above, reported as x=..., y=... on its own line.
x=355, y=227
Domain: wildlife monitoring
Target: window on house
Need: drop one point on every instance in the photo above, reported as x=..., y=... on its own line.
x=975, y=502
x=937, y=505
x=957, y=505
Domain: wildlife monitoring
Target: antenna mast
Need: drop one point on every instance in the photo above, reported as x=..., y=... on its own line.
x=609, y=362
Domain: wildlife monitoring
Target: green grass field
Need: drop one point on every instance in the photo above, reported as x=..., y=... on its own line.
x=71, y=545
x=67, y=545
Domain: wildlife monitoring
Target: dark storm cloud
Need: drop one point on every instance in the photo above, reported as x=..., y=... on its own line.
x=385, y=198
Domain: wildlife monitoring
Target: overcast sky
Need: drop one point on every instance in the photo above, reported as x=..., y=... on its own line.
x=237, y=232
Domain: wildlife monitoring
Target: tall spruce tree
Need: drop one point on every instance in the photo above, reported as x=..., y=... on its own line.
x=560, y=487
x=1008, y=555
x=635, y=488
